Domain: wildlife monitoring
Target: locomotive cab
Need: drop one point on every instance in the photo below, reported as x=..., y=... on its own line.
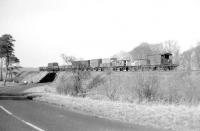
x=166, y=59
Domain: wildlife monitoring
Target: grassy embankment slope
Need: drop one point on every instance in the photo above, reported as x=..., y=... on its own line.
x=161, y=99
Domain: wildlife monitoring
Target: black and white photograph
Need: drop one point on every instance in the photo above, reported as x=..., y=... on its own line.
x=99, y=65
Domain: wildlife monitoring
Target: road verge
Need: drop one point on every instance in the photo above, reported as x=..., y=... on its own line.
x=174, y=117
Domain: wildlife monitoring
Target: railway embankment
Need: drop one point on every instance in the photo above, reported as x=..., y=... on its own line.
x=161, y=99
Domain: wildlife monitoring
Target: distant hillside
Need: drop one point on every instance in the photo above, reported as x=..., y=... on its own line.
x=144, y=49
x=141, y=51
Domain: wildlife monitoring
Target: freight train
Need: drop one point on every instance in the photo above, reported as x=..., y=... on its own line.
x=152, y=62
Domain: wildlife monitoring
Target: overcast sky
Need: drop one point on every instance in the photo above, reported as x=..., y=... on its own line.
x=44, y=29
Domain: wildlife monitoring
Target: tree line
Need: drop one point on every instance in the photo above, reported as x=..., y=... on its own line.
x=187, y=60
x=7, y=56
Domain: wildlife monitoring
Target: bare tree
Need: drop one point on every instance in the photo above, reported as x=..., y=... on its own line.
x=185, y=60
x=68, y=59
x=171, y=46
x=190, y=59
x=197, y=51
x=78, y=75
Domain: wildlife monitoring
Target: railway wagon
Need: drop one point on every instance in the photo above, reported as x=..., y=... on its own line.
x=161, y=61
x=95, y=64
x=53, y=66
x=106, y=63
x=113, y=62
x=121, y=65
x=42, y=68
x=139, y=64
x=81, y=65
x=65, y=68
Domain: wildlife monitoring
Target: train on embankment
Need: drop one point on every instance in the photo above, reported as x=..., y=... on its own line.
x=153, y=62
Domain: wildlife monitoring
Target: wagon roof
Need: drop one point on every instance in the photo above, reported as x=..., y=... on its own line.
x=124, y=60
x=79, y=60
x=96, y=59
x=167, y=53
x=141, y=59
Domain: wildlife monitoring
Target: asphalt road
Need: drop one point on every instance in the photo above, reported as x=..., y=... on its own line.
x=26, y=115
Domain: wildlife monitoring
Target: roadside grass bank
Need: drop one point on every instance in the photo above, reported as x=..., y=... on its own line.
x=161, y=99
x=174, y=117
x=163, y=87
x=8, y=84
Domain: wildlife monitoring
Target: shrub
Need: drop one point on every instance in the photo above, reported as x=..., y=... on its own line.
x=96, y=81
x=78, y=78
x=72, y=84
x=174, y=87
x=65, y=86
x=146, y=86
x=111, y=89
x=184, y=88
